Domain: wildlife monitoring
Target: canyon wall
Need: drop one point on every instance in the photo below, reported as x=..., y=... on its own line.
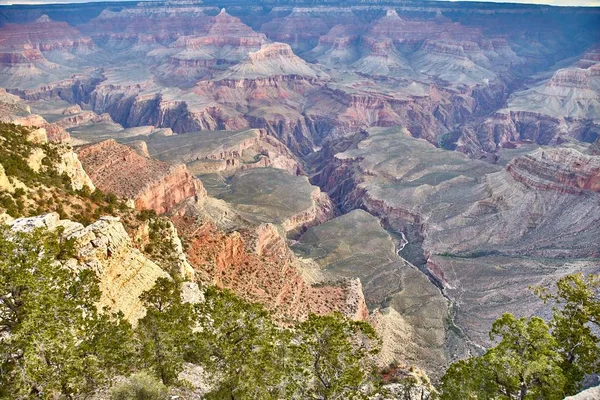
x=146, y=183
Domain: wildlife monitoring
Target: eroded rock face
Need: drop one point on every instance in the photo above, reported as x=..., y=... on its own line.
x=269, y=195
x=16, y=111
x=223, y=151
x=258, y=266
x=147, y=183
x=124, y=273
x=410, y=312
x=563, y=170
x=565, y=105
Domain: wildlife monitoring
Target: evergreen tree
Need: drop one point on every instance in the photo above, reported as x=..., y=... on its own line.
x=334, y=357
x=165, y=333
x=534, y=360
x=243, y=348
x=575, y=324
x=525, y=364
x=54, y=340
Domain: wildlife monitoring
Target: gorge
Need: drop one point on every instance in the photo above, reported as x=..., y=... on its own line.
x=415, y=164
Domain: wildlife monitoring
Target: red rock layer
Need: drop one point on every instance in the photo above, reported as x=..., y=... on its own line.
x=150, y=184
x=258, y=266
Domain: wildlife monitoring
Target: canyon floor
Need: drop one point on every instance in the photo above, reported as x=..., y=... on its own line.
x=420, y=165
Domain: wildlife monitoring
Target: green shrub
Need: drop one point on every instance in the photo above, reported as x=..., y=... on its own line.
x=140, y=386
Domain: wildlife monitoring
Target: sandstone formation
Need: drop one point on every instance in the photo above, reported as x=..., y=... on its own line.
x=34, y=49
x=566, y=104
x=226, y=42
x=146, y=183
x=16, y=111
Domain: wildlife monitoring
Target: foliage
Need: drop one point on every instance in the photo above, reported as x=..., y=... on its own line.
x=535, y=360
x=165, y=332
x=55, y=340
x=161, y=247
x=140, y=386
x=57, y=344
x=15, y=149
x=575, y=324
x=242, y=347
x=333, y=356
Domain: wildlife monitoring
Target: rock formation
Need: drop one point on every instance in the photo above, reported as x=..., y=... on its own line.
x=124, y=273
x=225, y=151
x=268, y=195
x=589, y=394
x=563, y=170
x=146, y=183
x=254, y=98
x=410, y=312
x=469, y=223
x=258, y=265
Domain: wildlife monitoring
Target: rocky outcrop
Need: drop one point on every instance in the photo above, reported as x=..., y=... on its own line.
x=563, y=170
x=124, y=273
x=145, y=183
x=589, y=394
x=71, y=166
x=257, y=265
x=170, y=255
x=13, y=109
x=322, y=209
x=226, y=42
x=224, y=151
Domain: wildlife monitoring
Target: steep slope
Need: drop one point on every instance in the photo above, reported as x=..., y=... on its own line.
x=40, y=52
x=226, y=42
x=562, y=105
x=257, y=265
x=124, y=273
x=411, y=312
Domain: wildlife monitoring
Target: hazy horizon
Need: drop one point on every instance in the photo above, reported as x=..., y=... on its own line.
x=562, y=3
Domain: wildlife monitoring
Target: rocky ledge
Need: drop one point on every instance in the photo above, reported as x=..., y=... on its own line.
x=258, y=265
x=563, y=170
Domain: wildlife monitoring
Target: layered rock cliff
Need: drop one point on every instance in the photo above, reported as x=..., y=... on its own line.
x=145, y=183
x=563, y=170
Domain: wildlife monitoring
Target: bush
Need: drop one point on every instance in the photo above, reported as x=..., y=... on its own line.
x=140, y=386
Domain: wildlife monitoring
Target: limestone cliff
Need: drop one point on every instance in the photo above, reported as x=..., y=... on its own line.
x=124, y=273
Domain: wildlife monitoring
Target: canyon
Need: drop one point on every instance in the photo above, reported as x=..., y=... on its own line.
x=419, y=165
